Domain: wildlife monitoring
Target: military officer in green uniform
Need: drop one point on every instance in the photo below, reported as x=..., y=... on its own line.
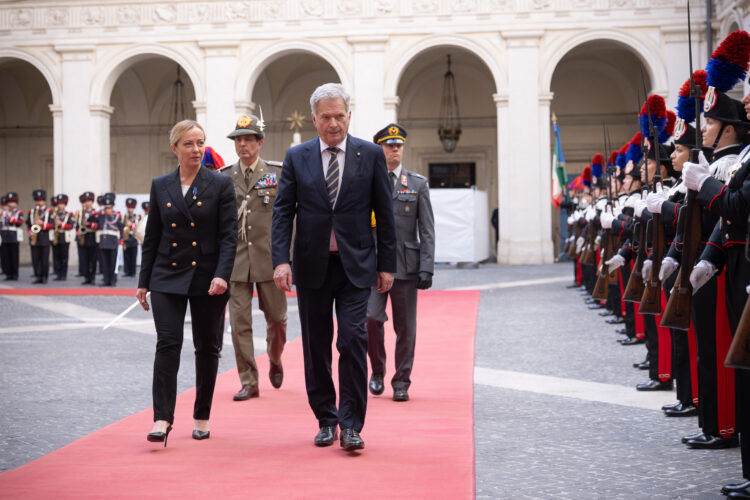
x=415, y=236
x=255, y=186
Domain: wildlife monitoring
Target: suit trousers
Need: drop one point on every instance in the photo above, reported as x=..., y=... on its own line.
x=108, y=258
x=87, y=259
x=40, y=261
x=10, y=259
x=129, y=255
x=60, y=258
x=272, y=302
x=316, y=306
x=404, y=309
x=206, y=312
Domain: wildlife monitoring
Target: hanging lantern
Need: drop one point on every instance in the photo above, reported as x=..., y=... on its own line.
x=449, y=126
x=177, y=108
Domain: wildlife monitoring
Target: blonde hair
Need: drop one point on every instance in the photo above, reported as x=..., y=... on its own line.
x=180, y=128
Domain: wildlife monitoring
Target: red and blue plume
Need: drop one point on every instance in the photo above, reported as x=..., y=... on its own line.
x=612, y=160
x=685, y=103
x=212, y=158
x=586, y=175
x=635, y=152
x=576, y=184
x=668, y=131
x=597, y=166
x=658, y=108
x=729, y=62
x=622, y=159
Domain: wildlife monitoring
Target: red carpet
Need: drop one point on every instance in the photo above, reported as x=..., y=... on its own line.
x=122, y=292
x=263, y=448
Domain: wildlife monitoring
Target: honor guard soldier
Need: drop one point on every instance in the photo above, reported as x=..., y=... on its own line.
x=62, y=236
x=129, y=243
x=145, y=206
x=415, y=250
x=109, y=234
x=40, y=221
x=11, y=233
x=255, y=187
x=86, y=222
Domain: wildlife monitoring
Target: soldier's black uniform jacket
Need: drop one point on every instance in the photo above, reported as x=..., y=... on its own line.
x=730, y=203
x=189, y=239
x=46, y=218
x=89, y=220
x=110, y=230
x=131, y=221
x=10, y=223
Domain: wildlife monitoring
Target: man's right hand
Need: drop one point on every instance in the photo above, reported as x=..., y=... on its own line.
x=282, y=276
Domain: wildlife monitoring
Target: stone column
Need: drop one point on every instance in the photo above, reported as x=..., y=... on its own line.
x=524, y=173
x=57, y=147
x=220, y=116
x=369, y=75
x=83, y=166
x=391, y=109
x=100, y=130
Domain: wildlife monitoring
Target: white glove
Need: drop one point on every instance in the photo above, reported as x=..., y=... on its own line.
x=640, y=205
x=606, y=219
x=590, y=214
x=618, y=211
x=668, y=266
x=601, y=253
x=695, y=174
x=601, y=204
x=570, y=219
x=654, y=201
x=579, y=244
x=702, y=272
x=646, y=270
x=597, y=240
x=615, y=262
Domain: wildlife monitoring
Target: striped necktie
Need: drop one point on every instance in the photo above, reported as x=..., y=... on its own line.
x=332, y=175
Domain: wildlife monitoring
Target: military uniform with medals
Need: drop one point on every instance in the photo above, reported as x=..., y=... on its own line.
x=415, y=250
x=11, y=233
x=62, y=236
x=129, y=243
x=41, y=221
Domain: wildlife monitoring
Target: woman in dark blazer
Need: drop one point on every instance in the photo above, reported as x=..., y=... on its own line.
x=188, y=254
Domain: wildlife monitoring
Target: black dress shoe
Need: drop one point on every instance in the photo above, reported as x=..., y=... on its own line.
x=158, y=437
x=400, y=395
x=622, y=331
x=655, y=385
x=616, y=321
x=248, y=391
x=38, y=281
x=707, y=442
x=57, y=278
x=726, y=490
x=596, y=306
x=326, y=435
x=646, y=365
x=591, y=301
x=606, y=312
x=685, y=439
x=276, y=374
x=376, y=384
x=670, y=406
x=350, y=440
x=740, y=494
x=199, y=435
x=87, y=282
x=682, y=410
x=572, y=286
x=631, y=341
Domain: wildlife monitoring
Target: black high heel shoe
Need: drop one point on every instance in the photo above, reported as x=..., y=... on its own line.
x=158, y=437
x=199, y=435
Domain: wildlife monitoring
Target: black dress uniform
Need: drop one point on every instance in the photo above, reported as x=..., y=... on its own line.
x=415, y=251
x=87, y=224
x=109, y=234
x=41, y=221
x=62, y=236
x=129, y=243
x=190, y=239
x=11, y=233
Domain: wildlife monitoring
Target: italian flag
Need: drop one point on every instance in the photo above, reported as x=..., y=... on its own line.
x=559, y=177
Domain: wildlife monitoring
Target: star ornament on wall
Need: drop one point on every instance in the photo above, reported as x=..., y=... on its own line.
x=296, y=120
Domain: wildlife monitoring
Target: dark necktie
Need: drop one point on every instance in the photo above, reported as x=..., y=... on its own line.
x=248, y=174
x=392, y=176
x=332, y=175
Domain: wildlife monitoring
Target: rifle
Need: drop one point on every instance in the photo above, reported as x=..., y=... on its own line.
x=588, y=255
x=605, y=278
x=651, y=299
x=577, y=231
x=677, y=313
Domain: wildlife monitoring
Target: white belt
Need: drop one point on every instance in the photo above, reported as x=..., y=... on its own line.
x=110, y=232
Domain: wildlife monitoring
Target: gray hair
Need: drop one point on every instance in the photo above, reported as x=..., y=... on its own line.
x=328, y=91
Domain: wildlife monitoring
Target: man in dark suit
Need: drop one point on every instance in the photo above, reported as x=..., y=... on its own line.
x=332, y=184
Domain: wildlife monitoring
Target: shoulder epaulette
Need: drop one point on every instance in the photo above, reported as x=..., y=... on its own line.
x=225, y=167
x=417, y=175
x=274, y=163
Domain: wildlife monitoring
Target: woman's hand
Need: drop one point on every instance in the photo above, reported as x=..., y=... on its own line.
x=140, y=294
x=218, y=286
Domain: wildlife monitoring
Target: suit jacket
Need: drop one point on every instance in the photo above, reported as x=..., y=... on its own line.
x=415, y=225
x=302, y=193
x=252, y=263
x=192, y=239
